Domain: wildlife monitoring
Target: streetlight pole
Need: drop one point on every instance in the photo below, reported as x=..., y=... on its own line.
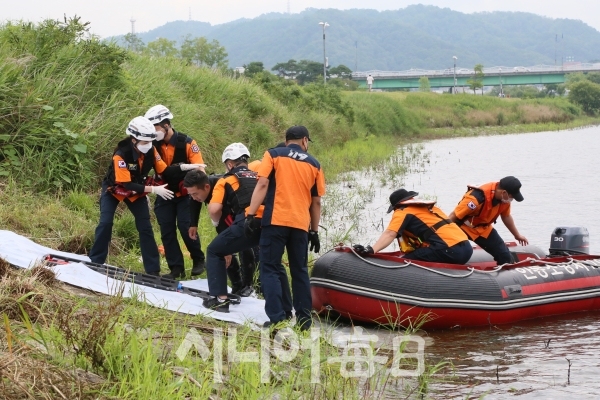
x=324, y=25
x=501, y=92
x=454, y=87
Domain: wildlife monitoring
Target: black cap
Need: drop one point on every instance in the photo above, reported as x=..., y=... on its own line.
x=512, y=186
x=297, y=132
x=400, y=195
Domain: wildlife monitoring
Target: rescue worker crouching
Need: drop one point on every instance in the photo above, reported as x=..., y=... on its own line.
x=181, y=154
x=481, y=206
x=235, y=190
x=125, y=181
x=425, y=233
x=200, y=187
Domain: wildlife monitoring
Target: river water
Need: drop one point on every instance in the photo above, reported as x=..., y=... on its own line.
x=559, y=173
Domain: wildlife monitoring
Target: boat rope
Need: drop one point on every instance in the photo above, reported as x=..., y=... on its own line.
x=408, y=263
x=590, y=263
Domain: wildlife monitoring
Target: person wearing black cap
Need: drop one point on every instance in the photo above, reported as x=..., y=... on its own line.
x=481, y=206
x=423, y=230
x=290, y=183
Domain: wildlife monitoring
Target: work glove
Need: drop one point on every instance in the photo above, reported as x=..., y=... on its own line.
x=189, y=167
x=251, y=226
x=163, y=192
x=362, y=250
x=313, y=239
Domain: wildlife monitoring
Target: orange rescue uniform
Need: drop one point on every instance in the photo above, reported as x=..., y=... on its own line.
x=220, y=193
x=123, y=176
x=192, y=152
x=422, y=224
x=295, y=178
x=478, y=209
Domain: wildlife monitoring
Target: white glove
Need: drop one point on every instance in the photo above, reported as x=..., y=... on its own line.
x=215, y=223
x=189, y=167
x=163, y=192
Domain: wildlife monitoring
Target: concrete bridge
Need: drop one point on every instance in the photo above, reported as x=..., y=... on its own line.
x=495, y=76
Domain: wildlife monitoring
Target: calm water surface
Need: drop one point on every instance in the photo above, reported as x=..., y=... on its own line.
x=560, y=176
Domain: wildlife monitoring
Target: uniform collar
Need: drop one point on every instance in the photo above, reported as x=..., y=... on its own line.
x=134, y=152
x=294, y=146
x=173, y=140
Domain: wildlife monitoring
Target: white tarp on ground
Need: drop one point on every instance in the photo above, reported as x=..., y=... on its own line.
x=24, y=253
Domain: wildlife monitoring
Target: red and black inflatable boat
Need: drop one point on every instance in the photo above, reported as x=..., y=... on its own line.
x=386, y=289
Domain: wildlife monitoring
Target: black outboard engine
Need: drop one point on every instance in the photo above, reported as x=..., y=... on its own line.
x=569, y=240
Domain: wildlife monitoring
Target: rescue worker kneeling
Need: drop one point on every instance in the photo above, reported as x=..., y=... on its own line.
x=234, y=189
x=424, y=232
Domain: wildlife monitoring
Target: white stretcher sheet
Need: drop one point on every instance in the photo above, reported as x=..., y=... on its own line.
x=24, y=253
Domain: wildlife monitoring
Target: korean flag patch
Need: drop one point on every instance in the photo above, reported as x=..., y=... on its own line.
x=471, y=205
x=195, y=148
x=122, y=164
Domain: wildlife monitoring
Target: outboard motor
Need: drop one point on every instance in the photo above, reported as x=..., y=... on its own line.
x=569, y=240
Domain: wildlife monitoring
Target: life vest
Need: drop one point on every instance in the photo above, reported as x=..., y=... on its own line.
x=138, y=175
x=175, y=180
x=239, y=199
x=485, y=216
x=409, y=242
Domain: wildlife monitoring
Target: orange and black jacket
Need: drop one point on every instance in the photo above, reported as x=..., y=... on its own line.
x=196, y=206
x=423, y=225
x=478, y=209
x=127, y=174
x=181, y=149
x=295, y=177
x=235, y=190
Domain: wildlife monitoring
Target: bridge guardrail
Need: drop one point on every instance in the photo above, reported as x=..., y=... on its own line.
x=414, y=72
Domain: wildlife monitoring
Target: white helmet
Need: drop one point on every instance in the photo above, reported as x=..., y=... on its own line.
x=235, y=151
x=158, y=114
x=141, y=128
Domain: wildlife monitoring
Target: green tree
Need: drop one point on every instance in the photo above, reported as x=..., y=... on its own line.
x=341, y=71
x=133, y=42
x=476, y=82
x=162, y=47
x=424, y=85
x=287, y=69
x=194, y=50
x=587, y=95
x=216, y=56
x=253, y=68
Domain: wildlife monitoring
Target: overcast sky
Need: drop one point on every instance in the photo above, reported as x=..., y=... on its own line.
x=112, y=17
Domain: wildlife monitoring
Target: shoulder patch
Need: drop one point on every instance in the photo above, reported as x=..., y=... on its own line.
x=122, y=164
x=195, y=148
x=471, y=205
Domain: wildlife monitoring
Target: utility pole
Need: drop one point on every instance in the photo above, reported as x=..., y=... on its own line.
x=356, y=56
x=288, y=8
x=454, y=87
x=190, y=15
x=324, y=25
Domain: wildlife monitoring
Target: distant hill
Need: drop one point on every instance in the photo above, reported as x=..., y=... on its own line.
x=413, y=37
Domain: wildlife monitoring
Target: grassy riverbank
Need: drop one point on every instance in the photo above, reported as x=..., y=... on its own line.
x=65, y=102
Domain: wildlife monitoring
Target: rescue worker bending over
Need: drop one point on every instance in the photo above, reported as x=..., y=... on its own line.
x=200, y=187
x=425, y=233
x=181, y=154
x=234, y=189
x=126, y=180
x=291, y=183
x=481, y=206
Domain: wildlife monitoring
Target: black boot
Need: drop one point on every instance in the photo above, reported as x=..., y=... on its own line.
x=215, y=304
x=176, y=274
x=198, y=267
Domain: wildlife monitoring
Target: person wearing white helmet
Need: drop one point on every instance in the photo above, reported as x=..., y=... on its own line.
x=126, y=180
x=232, y=192
x=181, y=154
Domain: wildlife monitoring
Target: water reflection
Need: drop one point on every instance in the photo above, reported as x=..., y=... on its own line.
x=560, y=185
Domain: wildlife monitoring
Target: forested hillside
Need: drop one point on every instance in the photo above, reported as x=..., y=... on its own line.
x=413, y=37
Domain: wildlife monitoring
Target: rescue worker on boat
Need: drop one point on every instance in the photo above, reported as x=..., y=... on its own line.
x=481, y=206
x=181, y=154
x=423, y=231
x=235, y=190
